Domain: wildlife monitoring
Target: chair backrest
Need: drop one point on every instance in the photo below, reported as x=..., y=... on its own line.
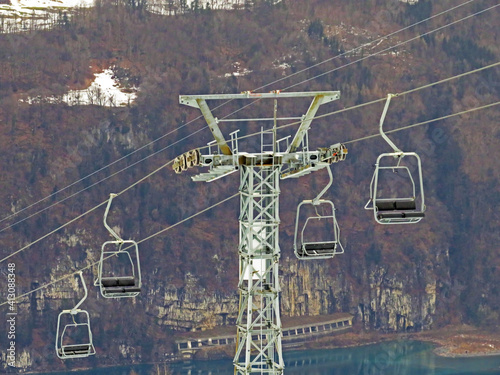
x=114, y=285
x=320, y=248
x=399, y=209
x=65, y=346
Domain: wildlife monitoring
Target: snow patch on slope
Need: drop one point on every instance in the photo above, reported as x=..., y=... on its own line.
x=104, y=91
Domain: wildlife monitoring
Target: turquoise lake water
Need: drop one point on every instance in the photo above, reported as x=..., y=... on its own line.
x=393, y=358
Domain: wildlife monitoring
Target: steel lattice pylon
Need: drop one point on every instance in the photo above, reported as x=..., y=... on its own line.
x=258, y=344
x=258, y=347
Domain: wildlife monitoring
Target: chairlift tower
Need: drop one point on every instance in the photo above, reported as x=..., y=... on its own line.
x=258, y=343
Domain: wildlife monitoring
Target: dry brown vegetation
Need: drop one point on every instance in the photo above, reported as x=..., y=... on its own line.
x=47, y=146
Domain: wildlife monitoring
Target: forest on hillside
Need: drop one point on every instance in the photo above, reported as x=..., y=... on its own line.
x=444, y=270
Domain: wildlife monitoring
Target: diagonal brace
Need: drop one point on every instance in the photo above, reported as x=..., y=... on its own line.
x=211, y=121
x=309, y=116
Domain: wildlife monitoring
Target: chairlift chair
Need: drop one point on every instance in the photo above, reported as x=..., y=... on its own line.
x=401, y=209
x=65, y=347
x=114, y=283
x=321, y=249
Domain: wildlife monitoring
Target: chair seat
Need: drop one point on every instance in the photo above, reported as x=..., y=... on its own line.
x=329, y=246
x=121, y=290
x=320, y=250
x=75, y=350
x=400, y=215
x=117, y=281
x=395, y=205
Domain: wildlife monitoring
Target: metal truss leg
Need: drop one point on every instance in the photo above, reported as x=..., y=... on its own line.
x=258, y=346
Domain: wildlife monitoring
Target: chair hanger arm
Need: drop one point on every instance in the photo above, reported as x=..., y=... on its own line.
x=110, y=230
x=381, y=124
x=73, y=310
x=315, y=201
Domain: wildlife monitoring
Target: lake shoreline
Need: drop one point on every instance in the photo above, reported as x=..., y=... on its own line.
x=456, y=341
x=463, y=341
x=459, y=341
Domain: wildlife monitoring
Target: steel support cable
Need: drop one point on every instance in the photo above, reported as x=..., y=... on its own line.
x=397, y=45
x=403, y=93
x=138, y=242
x=368, y=56
x=99, y=170
x=102, y=203
x=486, y=106
x=188, y=218
x=84, y=214
x=98, y=182
x=365, y=45
x=165, y=135
x=90, y=175
x=53, y=231
x=389, y=131
x=371, y=55
x=426, y=122
x=108, y=177
x=376, y=100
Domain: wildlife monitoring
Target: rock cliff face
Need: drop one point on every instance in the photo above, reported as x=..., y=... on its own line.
x=385, y=300
x=192, y=307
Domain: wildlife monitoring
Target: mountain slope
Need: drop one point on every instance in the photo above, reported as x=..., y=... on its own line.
x=392, y=278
